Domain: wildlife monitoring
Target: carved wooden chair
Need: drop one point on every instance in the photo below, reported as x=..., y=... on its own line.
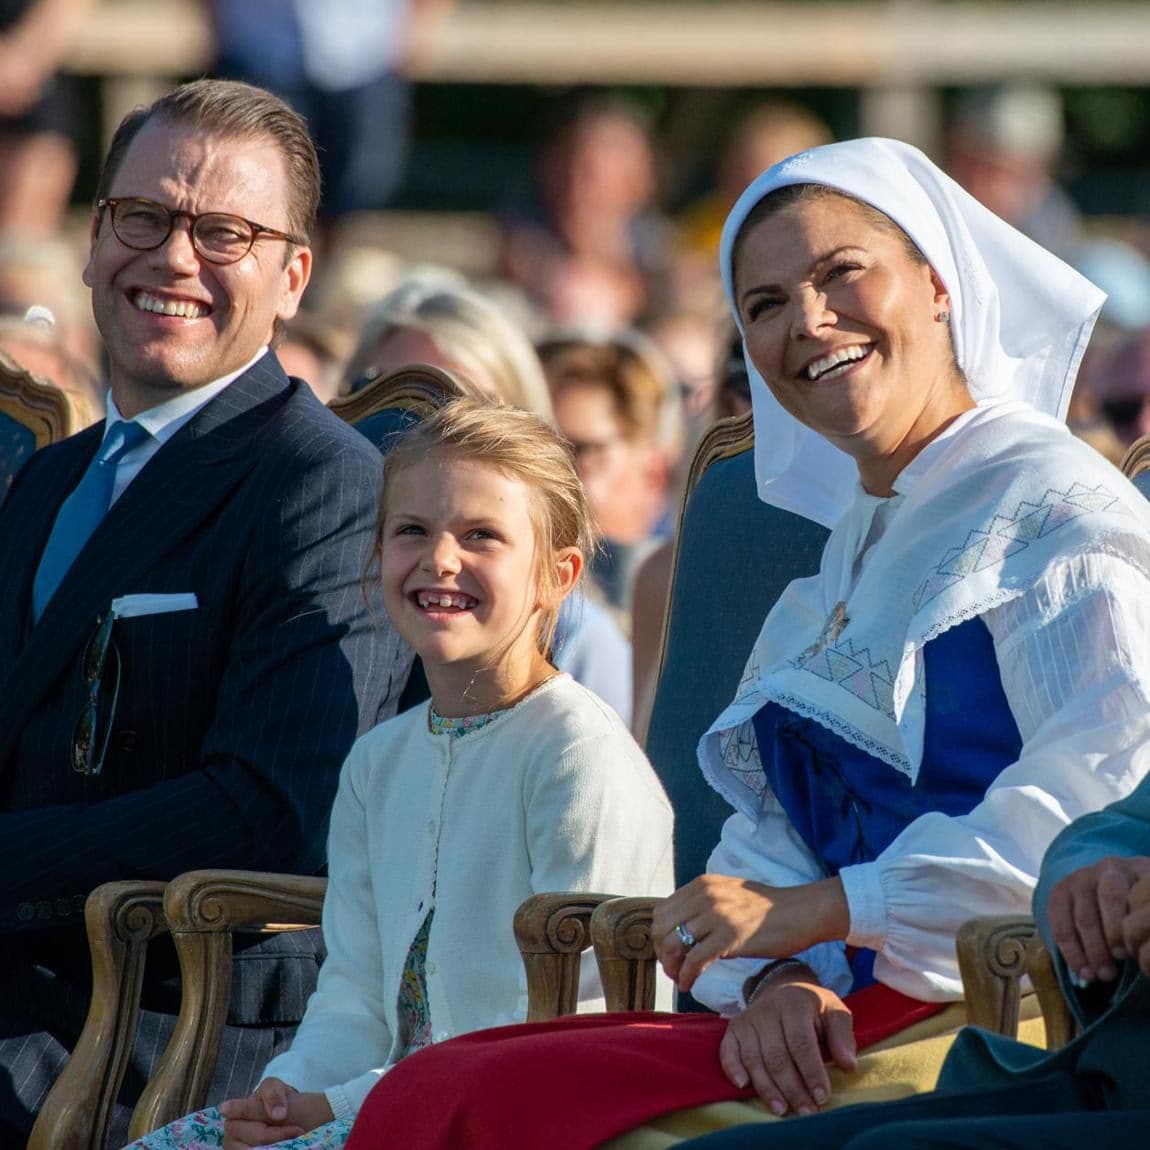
x=33, y=413
x=386, y=406
x=201, y=910
x=1136, y=464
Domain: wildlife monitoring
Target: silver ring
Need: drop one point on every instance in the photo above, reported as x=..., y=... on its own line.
x=685, y=936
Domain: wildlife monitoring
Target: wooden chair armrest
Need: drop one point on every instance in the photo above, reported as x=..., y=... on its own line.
x=552, y=930
x=1060, y=1024
x=202, y=909
x=121, y=917
x=621, y=935
x=991, y=960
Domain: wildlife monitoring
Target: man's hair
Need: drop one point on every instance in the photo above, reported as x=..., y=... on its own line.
x=238, y=111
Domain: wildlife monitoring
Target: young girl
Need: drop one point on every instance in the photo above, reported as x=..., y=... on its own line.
x=513, y=780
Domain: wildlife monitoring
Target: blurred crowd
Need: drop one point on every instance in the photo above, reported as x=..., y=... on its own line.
x=602, y=309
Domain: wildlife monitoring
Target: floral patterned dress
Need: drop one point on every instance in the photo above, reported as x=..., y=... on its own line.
x=204, y=1130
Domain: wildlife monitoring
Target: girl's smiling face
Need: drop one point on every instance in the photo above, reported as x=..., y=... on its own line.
x=460, y=568
x=842, y=324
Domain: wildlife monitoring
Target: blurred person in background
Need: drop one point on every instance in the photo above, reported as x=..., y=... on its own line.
x=731, y=397
x=617, y=403
x=315, y=351
x=37, y=156
x=1120, y=270
x=1121, y=386
x=342, y=65
x=437, y=318
x=686, y=336
x=40, y=280
x=761, y=137
x=33, y=341
x=1003, y=146
x=590, y=247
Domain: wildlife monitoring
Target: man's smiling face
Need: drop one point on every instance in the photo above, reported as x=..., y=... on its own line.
x=171, y=320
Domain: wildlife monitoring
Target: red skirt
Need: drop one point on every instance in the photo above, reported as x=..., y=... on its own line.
x=576, y=1082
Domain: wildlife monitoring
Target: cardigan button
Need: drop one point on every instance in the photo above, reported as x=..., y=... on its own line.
x=430, y=968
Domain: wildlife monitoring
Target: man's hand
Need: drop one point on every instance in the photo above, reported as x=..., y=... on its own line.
x=729, y=917
x=777, y=1043
x=1087, y=913
x=273, y=1112
x=1136, y=925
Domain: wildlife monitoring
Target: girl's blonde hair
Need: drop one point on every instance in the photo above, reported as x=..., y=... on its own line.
x=524, y=447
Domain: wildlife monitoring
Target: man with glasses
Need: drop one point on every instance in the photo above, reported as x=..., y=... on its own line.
x=186, y=650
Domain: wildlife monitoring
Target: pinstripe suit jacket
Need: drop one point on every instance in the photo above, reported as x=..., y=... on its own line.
x=232, y=720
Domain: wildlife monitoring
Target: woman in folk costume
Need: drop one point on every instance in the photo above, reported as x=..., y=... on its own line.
x=963, y=677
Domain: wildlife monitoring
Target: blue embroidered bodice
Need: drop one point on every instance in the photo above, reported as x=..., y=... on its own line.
x=849, y=806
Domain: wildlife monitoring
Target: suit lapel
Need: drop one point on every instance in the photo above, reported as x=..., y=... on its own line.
x=179, y=487
x=28, y=516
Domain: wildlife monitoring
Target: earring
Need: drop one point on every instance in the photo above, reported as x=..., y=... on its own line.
x=942, y=317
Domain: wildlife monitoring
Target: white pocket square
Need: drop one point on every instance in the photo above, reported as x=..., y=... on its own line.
x=131, y=606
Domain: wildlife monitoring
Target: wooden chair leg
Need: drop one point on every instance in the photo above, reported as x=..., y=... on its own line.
x=621, y=935
x=203, y=908
x=991, y=959
x=121, y=918
x=552, y=931
x=1060, y=1024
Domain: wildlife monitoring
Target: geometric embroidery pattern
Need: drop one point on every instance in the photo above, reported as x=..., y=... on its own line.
x=853, y=669
x=1006, y=535
x=740, y=754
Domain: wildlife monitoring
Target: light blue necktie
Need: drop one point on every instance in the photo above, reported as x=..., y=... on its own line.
x=81, y=512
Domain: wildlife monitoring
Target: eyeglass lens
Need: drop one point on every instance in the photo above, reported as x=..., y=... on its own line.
x=216, y=235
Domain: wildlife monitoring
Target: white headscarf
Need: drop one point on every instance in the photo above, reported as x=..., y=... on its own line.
x=1020, y=317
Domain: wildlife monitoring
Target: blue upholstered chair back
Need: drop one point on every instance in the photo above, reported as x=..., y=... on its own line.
x=33, y=413
x=734, y=556
x=385, y=407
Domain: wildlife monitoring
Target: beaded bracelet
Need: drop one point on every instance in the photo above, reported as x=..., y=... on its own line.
x=768, y=973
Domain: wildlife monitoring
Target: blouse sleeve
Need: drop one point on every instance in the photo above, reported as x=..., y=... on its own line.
x=1071, y=653
x=769, y=851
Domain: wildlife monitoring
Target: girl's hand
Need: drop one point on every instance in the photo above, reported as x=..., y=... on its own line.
x=729, y=917
x=268, y=1115
x=777, y=1043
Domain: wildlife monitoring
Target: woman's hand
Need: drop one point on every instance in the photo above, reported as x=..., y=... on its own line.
x=729, y=917
x=273, y=1112
x=777, y=1043
x=1087, y=912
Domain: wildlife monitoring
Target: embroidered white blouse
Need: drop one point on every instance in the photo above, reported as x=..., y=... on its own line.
x=1073, y=650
